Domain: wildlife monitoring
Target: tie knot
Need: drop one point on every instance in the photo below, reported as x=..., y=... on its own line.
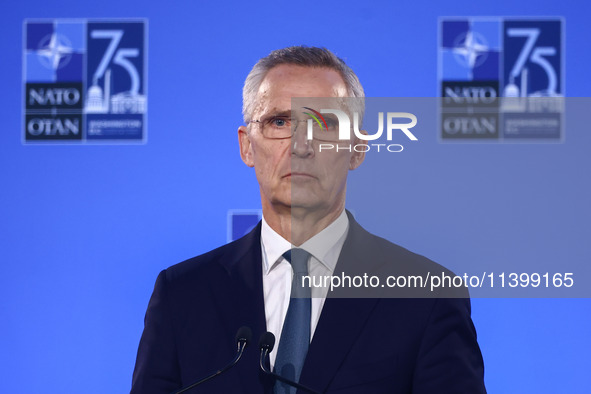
x=298, y=258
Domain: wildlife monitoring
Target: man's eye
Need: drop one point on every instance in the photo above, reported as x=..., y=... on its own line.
x=278, y=122
x=331, y=123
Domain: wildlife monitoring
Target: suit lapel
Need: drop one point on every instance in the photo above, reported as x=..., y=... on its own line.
x=341, y=320
x=241, y=302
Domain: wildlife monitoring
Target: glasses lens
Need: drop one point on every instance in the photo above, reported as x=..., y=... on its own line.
x=276, y=127
x=324, y=128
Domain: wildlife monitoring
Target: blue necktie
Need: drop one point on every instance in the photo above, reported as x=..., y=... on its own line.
x=295, y=336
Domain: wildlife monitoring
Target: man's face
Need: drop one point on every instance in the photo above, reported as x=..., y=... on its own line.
x=292, y=173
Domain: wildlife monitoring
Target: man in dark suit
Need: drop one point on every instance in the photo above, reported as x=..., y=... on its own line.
x=334, y=343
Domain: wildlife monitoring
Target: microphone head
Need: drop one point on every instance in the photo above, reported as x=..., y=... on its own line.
x=244, y=334
x=267, y=341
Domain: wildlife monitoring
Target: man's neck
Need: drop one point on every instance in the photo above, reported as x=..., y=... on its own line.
x=299, y=225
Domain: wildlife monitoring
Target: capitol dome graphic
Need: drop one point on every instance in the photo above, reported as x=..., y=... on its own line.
x=100, y=101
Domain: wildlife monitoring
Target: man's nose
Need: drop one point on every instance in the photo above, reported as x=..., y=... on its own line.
x=300, y=144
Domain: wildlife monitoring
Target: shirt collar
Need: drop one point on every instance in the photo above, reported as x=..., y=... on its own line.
x=273, y=245
x=326, y=242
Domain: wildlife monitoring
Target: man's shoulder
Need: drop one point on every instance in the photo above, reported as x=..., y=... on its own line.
x=412, y=274
x=198, y=264
x=410, y=258
x=217, y=261
x=392, y=254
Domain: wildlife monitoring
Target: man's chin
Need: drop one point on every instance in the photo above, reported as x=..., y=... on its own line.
x=298, y=200
x=305, y=204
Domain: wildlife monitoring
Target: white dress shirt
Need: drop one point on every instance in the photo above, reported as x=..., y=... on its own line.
x=324, y=247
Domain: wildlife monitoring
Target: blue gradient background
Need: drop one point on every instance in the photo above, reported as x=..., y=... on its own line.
x=85, y=229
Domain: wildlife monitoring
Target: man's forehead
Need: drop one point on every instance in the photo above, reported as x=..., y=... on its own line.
x=292, y=76
x=285, y=82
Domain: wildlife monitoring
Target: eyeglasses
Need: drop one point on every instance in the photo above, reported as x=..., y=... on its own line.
x=277, y=127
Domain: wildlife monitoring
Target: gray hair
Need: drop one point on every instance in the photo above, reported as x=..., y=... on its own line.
x=300, y=56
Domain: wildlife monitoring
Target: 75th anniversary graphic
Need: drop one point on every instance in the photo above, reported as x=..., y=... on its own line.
x=85, y=81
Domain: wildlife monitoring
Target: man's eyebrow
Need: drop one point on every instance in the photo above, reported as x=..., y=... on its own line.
x=286, y=113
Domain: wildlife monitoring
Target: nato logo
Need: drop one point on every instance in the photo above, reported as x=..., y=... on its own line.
x=241, y=222
x=84, y=81
x=496, y=75
x=470, y=50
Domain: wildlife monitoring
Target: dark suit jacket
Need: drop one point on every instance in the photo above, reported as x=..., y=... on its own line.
x=361, y=345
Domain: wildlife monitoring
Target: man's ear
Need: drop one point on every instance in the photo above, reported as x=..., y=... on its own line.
x=245, y=146
x=357, y=157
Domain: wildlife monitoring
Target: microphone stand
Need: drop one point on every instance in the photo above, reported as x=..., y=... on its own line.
x=242, y=337
x=266, y=345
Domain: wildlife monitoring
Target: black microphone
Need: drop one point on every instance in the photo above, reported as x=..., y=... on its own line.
x=266, y=344
x=243, y=338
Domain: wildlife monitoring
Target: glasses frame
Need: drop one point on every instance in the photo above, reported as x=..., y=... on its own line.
x=293, y=125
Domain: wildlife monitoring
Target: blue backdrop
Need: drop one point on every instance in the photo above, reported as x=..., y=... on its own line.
x=86, y=229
